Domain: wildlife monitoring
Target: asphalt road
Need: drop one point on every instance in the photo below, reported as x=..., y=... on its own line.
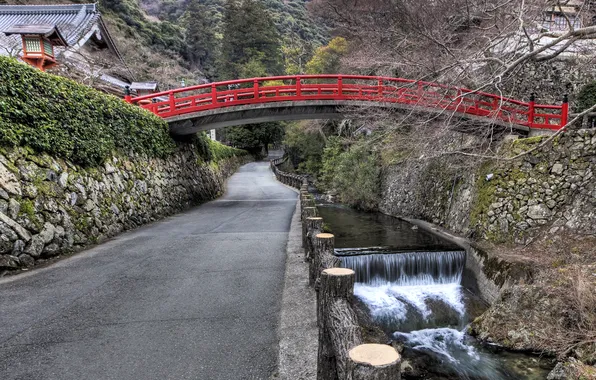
x=195, y=296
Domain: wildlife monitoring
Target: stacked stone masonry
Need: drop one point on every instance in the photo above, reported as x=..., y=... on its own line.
x=49, y=206
x=550, y=189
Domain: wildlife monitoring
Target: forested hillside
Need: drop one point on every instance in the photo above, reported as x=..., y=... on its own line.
x=181, y=40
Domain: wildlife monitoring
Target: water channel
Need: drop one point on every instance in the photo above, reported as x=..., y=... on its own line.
x=408, y=284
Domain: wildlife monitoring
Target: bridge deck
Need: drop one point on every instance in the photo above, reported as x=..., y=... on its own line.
x=320, y=96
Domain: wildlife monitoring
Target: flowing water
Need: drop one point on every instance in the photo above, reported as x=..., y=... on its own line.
x=408, y=281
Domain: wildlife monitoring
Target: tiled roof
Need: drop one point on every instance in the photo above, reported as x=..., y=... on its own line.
x=73, y=21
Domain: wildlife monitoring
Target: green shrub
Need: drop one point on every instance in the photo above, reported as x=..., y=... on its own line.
x=63, y=118
x=220, y=152
x=353, y=173
x=586, y=97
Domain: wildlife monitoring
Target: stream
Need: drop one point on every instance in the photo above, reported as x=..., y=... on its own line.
x=408, y=283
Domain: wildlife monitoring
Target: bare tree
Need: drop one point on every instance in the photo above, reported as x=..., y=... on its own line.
x=478, y=44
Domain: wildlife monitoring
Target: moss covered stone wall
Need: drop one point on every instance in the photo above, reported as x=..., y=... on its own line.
x=508, y=201
x=50, y=206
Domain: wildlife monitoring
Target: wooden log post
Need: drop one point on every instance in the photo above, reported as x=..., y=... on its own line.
x=314, y=225
x=373, y=362
x=338, y=330
x=303, y=199
x=308, y=212
x=323, y=257
x=308, y=202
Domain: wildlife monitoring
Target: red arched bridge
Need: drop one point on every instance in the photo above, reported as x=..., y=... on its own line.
x=255, y=100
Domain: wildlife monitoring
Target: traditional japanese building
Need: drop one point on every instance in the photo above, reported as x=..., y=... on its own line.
x=68, y=39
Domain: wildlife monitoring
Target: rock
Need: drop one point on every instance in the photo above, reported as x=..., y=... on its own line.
x=13, y=208
x=9, y=181
x=557, y=169
x=30, y=191
x=51, y=250
x=5, y=245
x=73, y=198
x=18, y=247
x=539, y=211
x=47, y=234
x=551, y=204
x=35, y=246
x=7, y=232
x=9, y=261
x=3, y=194
x=26, y=260
x=89, y=205
x=23, y=233
x=63, y=180
x=109, y=168
x=51, y=176
x=572, y=369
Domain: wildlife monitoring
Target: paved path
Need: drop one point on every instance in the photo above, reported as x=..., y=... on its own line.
x=196, y=296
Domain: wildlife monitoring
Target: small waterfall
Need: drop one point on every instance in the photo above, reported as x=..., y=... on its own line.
x=405, y=269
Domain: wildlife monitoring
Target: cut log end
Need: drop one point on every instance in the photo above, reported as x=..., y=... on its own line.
x=325, y=236
x=314, y=218
x=375, y=355
x=339, y=272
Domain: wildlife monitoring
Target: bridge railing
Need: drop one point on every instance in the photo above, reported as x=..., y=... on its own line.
x=411, y=93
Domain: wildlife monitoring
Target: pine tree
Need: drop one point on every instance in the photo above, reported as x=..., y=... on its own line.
x=201, y=40
x=250, y=36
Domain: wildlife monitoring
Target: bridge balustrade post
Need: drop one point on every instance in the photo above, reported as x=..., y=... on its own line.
x=256, y=88
x=298, y=86
x=380, y=87
x=531, y=110
x=565, y=110
x=172, y=101
x=213, y=94
x=340, y=86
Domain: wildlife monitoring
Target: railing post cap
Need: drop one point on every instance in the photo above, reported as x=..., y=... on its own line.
x=566, y=98
x=339, y=272
x=376, y=355
x=325, y=236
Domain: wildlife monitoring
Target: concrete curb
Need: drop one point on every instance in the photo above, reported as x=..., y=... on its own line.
x=298, y=333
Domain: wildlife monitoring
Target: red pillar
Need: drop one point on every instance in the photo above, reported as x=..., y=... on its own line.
x=565, y=110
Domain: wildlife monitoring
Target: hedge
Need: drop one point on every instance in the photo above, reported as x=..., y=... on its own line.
x=63, y=118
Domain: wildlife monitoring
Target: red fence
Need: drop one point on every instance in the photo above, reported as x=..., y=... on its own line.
x=355, y=88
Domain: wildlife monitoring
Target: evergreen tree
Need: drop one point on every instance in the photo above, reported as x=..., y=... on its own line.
x=201, y=40
x=250, y=36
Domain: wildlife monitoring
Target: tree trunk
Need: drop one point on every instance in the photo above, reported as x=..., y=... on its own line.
x=307, y=213
x=373, y=362
x=322, y=243
x=343, y=331
x=336, y=284
x=313, y=228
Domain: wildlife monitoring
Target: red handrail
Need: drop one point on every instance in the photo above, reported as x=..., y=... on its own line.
x=353, y=87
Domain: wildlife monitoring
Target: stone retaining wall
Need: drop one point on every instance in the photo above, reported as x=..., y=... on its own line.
x=551, y=189
x=49, y=206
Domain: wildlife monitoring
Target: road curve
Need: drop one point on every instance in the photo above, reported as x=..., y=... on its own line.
x=195, y=296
